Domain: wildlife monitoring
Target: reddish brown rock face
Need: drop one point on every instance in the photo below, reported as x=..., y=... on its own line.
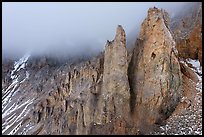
x=191, y=45
x=155, y=77
x=187, y=31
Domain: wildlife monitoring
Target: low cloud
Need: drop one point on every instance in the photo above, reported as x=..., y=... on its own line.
x=70, y=28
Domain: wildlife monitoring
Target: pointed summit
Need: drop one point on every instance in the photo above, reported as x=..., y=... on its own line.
x=120, y=35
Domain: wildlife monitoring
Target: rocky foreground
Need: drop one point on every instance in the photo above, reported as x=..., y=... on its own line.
x=187, y=118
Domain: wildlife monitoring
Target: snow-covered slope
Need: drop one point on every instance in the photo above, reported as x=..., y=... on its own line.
x=15, y=106
x=197, y=69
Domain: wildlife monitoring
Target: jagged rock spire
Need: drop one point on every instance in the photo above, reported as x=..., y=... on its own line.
x=115, y=91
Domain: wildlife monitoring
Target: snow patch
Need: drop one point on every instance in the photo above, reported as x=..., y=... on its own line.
x=195, y=63
x=7, y=97
x=15, y=129
x=26, y=128
x=19, y=117
x=197, y=68
x=19, y=64
x=199, y=86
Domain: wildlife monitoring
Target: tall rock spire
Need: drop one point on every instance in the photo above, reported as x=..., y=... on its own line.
x=115, y=92
x=154, y=71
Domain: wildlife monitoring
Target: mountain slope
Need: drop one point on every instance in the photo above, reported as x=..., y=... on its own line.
x=117, y=92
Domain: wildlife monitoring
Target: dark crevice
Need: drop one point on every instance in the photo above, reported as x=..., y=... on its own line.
x=131, y=84
x=153, y=55
x=82, y=110
x=131, y=73
x=39, y=117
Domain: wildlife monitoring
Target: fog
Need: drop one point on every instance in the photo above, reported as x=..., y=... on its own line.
x=70, y=28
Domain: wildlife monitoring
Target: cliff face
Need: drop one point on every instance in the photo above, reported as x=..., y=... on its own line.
x=69, y=107
x=113, y=93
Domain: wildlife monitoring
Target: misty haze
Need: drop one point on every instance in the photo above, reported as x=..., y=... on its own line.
x=102, y=68
x=70, y=28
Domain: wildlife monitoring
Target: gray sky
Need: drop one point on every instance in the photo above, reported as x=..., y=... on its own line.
x=70, y=28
